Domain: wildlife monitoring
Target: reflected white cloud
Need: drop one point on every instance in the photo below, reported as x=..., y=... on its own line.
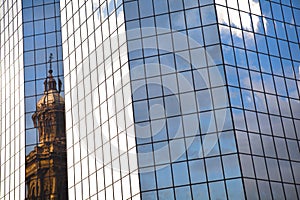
x=240, y=18
x=254, y=7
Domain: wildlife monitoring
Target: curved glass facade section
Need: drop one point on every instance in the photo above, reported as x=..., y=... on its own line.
x=261, y=56
x=185, y=139
x=100, y=130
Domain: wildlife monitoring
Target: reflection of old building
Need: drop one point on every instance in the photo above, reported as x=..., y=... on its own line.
x=46, y=165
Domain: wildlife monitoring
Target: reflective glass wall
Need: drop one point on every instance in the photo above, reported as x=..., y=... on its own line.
x=46, y=174
x=12, y=135
x=100, y=133
x=42, y=36
x=181, y=99
x=260, y=45
x=185, y=139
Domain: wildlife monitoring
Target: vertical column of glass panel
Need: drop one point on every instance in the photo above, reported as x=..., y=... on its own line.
x=42, y=37
x=12, y=154
x=185, y=143
x=100, y=136
x=259, y=47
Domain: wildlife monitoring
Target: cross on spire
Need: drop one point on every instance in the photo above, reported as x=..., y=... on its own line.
x=50, y=83
x=50, y=61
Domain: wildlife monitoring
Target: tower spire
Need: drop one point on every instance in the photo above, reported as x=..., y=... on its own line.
x=50, y=83
x=50, y=64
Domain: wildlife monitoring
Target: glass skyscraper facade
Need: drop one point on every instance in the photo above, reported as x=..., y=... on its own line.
x=164, y=99
x=185, y=139
x=30, y=32
x=42, y=37
x=99, y=125
x=210, y=108
x=12, y=138
x=260, y=47
x=44, y=118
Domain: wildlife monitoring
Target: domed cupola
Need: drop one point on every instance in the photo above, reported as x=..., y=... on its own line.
x=51, y=97
x=50, y=110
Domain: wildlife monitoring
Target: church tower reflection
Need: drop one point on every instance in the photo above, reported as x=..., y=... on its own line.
x=46, y=165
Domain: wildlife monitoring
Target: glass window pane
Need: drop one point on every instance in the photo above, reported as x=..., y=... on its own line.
x=147, y=179
x=164, y=176
x=214, y=169
x=160, y=6
x=197, y=171
x=175, y=5
x=167, y=194
x=183, y=193
x=146, y=8
x=207, y=122
x=208, y=15
x=235, y=189
x=260, y=167
x=177, y=20
x=247, y=166
x=264, y=190
x=180, y=173
x=251, y=189
x=217, y=190
x=277, y=190
x=210, y=35
x=193, y=18
x=273, y=169
x=231, y=166
x=200, y=190
x=227, y=142
x=172, y=105
x=141, y=111
x=204, y=100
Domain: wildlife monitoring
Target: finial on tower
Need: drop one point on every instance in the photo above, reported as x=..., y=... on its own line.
x=50, y=61
x=50, y=83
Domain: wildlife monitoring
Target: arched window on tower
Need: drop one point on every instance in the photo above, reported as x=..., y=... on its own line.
x=48, y=125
